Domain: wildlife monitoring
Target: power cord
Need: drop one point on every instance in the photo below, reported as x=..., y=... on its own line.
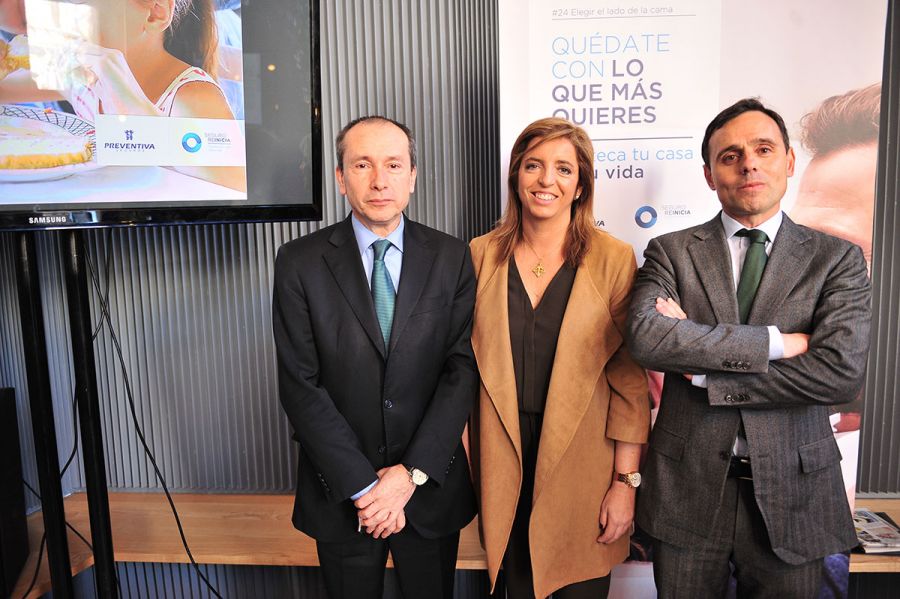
x=104, y=306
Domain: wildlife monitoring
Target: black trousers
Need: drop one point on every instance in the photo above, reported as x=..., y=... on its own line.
x=355, y=570
x=517, y=559
x=738, y=541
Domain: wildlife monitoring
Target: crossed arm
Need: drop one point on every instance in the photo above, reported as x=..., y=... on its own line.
x=824, y=365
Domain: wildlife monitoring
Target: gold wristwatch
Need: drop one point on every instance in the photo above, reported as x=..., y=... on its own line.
x=632, y=479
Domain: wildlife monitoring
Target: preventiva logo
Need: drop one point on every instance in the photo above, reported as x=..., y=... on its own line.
x=191, y=142
x=645, y=217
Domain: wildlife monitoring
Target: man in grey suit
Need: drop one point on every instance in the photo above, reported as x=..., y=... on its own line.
x=761, y=325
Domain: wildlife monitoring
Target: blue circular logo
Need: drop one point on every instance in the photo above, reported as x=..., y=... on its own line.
x=645, y=217
x=191, y=142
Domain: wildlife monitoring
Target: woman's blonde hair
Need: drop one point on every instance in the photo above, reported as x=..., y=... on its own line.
x=578, y=236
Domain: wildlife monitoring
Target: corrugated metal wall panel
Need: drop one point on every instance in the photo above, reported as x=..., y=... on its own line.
x=873, y=586
x=165, y=581
x=879, y=451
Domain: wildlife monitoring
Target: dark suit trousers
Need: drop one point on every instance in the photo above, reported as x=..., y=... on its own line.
x=738, y=540
x=355, y=570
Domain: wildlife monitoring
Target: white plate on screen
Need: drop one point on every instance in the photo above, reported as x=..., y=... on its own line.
x=65, y=121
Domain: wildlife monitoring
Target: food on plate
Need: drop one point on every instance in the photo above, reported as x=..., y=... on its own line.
x=32, y=144
x=14, y=55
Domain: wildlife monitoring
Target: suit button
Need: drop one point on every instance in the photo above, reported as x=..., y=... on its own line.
x=745, y=397
x=388, y=404
x=381, y=449
x=724, y=455
x=729, y=398
x=725, y=364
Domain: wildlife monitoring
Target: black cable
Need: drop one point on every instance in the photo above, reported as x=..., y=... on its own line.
x=69, y=526
x=104, y=306
x=37, y=567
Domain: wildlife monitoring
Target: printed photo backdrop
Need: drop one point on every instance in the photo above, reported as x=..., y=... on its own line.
x=644, y=78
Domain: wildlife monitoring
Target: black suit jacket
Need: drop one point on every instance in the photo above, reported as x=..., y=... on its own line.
x=355, y=407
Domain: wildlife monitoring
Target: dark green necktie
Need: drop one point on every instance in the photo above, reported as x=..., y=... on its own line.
x=751, y=271
x=383, y=290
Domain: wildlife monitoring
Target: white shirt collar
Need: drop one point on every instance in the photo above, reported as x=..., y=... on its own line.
x=365, y=238
x=770, y=227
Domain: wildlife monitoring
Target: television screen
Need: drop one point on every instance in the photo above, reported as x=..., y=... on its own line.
x=123, y=112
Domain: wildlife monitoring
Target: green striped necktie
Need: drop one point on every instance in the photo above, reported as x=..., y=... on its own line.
x=383, y=290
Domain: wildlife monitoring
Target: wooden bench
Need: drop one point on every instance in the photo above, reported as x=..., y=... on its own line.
x=252, y=530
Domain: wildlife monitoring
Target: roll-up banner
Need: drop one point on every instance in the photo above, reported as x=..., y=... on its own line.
x=644, y=79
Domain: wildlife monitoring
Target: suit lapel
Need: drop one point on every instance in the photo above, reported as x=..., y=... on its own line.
x=491, y=344
x=417, y=261
x=786, y=260
x=581, y=354
x=346, y=268
x=712, y=262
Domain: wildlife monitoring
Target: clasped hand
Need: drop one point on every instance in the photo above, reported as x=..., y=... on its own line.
x=380, y=510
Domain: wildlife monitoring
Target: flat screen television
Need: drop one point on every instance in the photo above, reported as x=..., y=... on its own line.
x=144, y=112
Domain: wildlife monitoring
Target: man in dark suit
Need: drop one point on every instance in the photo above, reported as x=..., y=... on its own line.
x=761, y=325
x=372, y=318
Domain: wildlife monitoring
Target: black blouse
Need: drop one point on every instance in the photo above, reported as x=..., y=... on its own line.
x=533, y=333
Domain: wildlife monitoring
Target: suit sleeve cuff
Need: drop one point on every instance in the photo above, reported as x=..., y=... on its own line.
x=776, y=343
x=364, y=491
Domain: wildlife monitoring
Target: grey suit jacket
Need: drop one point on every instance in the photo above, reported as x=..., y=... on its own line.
x=813, y=283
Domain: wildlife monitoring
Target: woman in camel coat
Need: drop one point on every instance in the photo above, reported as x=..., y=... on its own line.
x=563, y=408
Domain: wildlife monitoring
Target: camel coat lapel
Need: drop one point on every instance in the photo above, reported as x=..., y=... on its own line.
x=581, y=354
x=493, y=349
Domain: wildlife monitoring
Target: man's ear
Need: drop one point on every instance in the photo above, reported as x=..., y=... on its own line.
x=159, y=15
x=412, y=180
x=339, y=175
x=707, y=172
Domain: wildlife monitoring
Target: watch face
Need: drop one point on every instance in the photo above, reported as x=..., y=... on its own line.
x=632, y=479
x=418, y=477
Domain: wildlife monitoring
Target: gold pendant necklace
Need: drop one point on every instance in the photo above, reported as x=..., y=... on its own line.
x=538, y=269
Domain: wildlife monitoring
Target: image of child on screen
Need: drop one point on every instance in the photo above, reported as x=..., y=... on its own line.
x=131, y=57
